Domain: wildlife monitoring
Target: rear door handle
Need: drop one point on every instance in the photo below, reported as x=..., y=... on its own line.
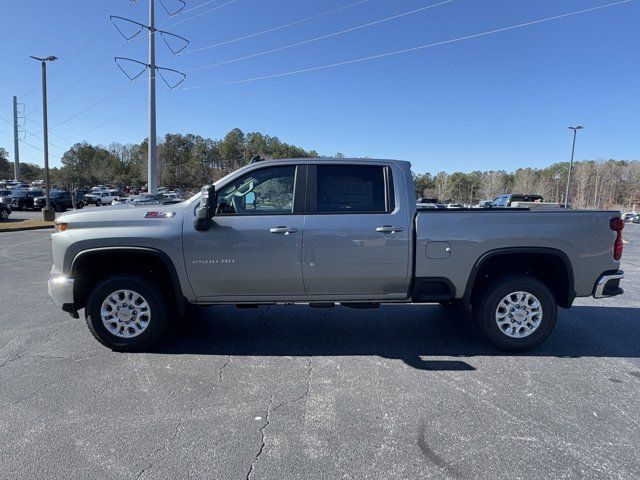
x=388, y=229
x=285, y=230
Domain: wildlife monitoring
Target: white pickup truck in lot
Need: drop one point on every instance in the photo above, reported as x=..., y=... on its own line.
x=326, y=232
x=101, y=197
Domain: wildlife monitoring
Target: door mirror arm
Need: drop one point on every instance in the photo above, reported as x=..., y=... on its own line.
x=206, y=210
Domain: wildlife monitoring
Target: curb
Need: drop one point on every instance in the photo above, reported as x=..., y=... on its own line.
x=28, y=227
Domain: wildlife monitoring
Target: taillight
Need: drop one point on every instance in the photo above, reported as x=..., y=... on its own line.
x=617, y=224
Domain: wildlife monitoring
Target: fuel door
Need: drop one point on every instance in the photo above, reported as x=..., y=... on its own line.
x=438, y=250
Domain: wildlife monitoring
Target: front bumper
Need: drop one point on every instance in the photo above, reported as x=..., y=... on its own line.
x=61, y=291
x=608, y=285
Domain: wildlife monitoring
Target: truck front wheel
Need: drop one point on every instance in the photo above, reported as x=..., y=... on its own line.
x=127, y=312
x=516, y=313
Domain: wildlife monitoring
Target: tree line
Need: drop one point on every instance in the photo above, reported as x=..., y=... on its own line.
x=190, y=161
x=185, y=161
x=594, y=184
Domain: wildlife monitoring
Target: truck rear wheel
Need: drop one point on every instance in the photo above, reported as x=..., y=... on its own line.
x=516, y=313
x=127, y=312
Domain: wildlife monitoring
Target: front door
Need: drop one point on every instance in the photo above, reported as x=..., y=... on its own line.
x=254, y=246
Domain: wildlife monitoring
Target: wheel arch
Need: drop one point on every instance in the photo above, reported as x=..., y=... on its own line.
x=556, y=273
x=89, y=266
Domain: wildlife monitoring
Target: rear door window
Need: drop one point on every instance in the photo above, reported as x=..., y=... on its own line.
x=353, y=189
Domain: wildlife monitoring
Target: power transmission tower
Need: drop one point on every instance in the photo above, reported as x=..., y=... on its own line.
x=16, y=146
x=153, y=69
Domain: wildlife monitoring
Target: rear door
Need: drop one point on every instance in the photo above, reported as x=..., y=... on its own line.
x=356, y=233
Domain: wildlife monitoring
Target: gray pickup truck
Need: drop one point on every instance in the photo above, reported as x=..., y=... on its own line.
x=325, y=232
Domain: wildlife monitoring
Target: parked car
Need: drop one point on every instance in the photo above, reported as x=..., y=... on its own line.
x=507, y=199
x=636, y=219
x=485, y=204
x=455, y=205
x=348, y=234
x=58, y=200
x=151, y=199
x=24, y=199
x=629, y=216
x=5, y=211
x=17, y=185
x=173, y=196
x=100, y=198
x=5, y=196
x=81, y=200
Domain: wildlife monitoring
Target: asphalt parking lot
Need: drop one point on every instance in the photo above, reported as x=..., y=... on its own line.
x=37, y=214
x=293, y=392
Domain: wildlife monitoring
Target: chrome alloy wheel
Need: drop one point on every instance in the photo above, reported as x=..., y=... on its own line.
x=519, y=314
x=125, y=313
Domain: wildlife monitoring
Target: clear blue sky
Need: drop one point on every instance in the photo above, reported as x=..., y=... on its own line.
x=494, y=102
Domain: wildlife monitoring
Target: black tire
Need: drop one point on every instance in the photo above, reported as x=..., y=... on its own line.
x=4, y=215
x=98, y=203
x=58, y=207
x=23, y=207
x=485, y=311
x=158, y=308
x=79, y=205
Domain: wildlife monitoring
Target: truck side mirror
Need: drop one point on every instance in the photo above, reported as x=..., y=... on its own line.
x=202, y=220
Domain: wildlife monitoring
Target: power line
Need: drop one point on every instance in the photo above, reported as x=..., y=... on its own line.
x=280, y=27
x=32, y=146
x=51, y=144
x=341, y=32
x=208, y=2
x=67, y=63
x=22, y=154
x=66, y=91
x=85, y=48
x=50, y=132
x=86, y=109
x=201, y=14
x=412, y=49
x=102, y=125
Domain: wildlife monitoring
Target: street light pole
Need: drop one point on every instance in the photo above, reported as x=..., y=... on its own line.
x=573, y=149
x=48, y=214
x=16, y=143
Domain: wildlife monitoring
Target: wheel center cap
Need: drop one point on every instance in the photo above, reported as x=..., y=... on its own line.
x=124, y=314
x=520, y=315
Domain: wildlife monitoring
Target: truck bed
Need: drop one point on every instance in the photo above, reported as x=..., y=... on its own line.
x=450, y=243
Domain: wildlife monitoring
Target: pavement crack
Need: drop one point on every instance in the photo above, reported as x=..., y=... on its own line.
x=12, y=359
x=304, y=394
x=267, y=421
x=29, y=396
x=142, y=472
x=177, y=428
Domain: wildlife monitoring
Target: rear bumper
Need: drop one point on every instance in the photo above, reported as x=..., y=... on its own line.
x=608, y=285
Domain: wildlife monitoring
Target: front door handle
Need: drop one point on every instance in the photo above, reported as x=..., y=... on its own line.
x=285, y=230
x=388, y=229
